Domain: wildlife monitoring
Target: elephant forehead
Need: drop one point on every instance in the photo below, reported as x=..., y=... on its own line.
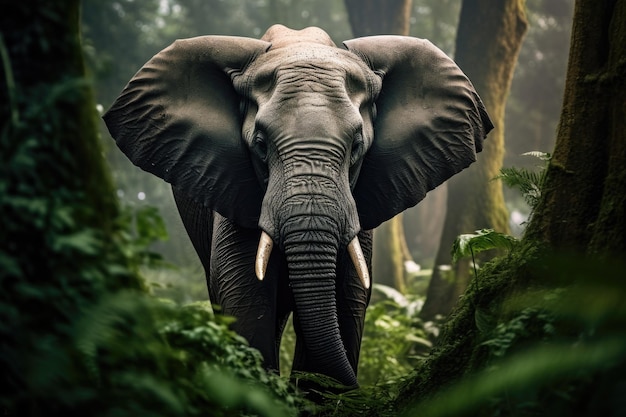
x=312, y=68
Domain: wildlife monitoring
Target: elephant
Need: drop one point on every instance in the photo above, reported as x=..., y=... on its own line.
x=283, y=154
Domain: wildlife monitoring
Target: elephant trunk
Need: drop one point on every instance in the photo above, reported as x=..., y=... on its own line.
x=309, y=217
x=311, y=255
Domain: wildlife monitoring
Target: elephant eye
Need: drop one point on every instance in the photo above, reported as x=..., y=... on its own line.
x=259, y=145
x=357, y=148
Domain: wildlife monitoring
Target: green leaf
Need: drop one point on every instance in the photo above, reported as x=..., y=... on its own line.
x=482, y=240
x=485, y=321
x=84, y=241
x=419, y=340
x=150, y=225
x=391, y=294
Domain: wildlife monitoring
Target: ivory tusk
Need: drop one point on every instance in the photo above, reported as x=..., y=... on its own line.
x=263, y=255
x=358, y=259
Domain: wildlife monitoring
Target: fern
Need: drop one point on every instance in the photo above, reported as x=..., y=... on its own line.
x=529, y=183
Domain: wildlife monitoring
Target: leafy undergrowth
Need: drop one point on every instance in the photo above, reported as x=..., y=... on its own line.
x=552, y=344
x=78, y=340
x=395, y=339
x=80, y=335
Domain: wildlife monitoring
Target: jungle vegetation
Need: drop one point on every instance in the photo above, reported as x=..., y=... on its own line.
x=103, y=306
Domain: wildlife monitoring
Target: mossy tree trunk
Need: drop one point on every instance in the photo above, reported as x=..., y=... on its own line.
x=582, y=211
x=584, y=199
x=375, y=17
x=489, y=38
x=43, y=63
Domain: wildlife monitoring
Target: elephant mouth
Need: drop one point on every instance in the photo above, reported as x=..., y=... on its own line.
x=354, y=249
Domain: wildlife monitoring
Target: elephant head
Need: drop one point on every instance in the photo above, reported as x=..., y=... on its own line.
x=307, y=141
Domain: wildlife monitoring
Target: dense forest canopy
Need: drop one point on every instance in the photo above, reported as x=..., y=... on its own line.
x=103, y=303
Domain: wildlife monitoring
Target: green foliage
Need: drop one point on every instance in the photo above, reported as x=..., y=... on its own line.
x=472, y=244
x=394, y=339
x=525, y=327
x=373, y=400
x=529, y=183
x=556, y=349
x=140, y=228
x=78, y=339
x=181, y=284
x=287, y=347
x=544, y=380
x=482, y=240
x=167, y=360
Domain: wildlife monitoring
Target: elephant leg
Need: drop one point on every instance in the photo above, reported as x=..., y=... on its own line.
x=255, y=304
x=352, y=301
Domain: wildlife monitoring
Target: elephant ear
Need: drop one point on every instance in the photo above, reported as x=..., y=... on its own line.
x=179, y=118
x=430, y=124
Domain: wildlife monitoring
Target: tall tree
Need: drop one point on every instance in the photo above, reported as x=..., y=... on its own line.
x=375, y=17
x=489, y=38
x=66, y=114
x=584, y=205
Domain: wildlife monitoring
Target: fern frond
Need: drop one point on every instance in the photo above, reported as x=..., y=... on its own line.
x=529, y=183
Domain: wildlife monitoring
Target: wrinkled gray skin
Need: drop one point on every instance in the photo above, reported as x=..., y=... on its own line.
x=310, y=143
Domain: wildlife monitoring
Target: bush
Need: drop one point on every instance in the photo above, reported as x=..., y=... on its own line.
x=394, y=339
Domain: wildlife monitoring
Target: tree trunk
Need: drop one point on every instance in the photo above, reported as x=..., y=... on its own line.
x=35, y=63
x=388, y=257
x=489, y=38
x=584, y=200
x=375, y=17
